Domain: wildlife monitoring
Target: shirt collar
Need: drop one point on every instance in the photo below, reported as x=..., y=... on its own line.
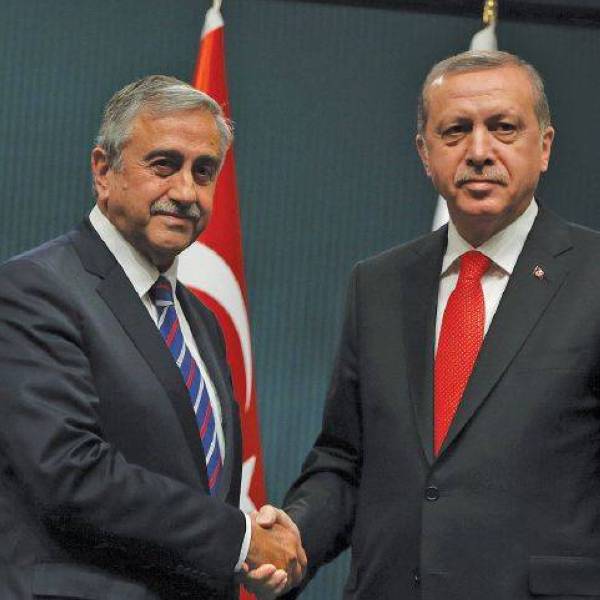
x=138, y=269
x=503, y=248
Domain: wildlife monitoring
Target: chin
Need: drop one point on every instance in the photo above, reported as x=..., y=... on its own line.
x=481, y=207
x=173, y=250
x=174, y=241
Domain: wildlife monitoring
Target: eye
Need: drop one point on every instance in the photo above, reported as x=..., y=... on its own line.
x=505, y=129
x=205, y=173
x=163, y=167
x=455, y=132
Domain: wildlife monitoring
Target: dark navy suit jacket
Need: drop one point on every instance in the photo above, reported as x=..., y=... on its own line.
x=510, y=509
x=103, y=488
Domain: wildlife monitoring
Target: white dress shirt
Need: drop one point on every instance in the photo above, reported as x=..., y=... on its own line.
x=502, y=249
x=142, y=274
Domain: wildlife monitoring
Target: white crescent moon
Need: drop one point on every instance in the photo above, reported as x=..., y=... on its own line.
x=202, y=268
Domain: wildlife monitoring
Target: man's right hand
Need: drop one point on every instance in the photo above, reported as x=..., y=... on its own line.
x=276, y=541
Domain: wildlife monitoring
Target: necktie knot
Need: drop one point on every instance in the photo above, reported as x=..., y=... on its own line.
x=161, y=292
x=473, y=265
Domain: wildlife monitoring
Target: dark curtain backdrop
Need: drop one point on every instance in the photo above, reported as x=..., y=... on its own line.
x=324, y=99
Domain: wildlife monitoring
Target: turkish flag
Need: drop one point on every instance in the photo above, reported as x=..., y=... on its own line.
x=213, y=268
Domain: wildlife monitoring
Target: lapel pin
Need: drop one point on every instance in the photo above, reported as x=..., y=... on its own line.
x=538, y=272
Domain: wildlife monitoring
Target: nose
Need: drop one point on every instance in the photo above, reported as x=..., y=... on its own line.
x=480, y=149
x=183, y=188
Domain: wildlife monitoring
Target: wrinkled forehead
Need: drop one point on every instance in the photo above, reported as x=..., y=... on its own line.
x=506, y=76
x=502, y=83
x=180, y=127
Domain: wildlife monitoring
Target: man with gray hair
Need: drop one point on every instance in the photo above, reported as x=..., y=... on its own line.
x=120, y=445
x=460, y=447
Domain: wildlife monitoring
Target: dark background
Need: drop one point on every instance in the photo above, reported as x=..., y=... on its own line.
x=323, y=95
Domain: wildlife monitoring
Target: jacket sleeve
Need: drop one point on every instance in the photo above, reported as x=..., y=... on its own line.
x=322, y=500
x=51, y=435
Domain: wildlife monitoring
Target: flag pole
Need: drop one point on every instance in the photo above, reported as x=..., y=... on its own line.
x=213, y=266
x=483, y=40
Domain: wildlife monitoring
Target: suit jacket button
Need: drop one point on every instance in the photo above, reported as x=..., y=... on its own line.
x=417, y=577
x=432, y=493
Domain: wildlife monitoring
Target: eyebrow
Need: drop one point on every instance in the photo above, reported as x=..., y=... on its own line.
x=505, y=115
x=461, y=120
x=163, y=153
x=207, y=159
x=174, y=155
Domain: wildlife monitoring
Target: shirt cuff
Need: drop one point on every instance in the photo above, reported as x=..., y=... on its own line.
x=245, y=545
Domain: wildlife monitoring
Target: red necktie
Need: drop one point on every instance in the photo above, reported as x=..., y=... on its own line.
x=460, y=339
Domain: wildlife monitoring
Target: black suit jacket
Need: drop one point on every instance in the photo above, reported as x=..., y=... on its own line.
x=103, y=487
x=510, y=510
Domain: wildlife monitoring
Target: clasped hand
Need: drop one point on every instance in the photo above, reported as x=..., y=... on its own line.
x=276, y=560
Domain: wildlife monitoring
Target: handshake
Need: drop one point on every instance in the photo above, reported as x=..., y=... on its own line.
x=276, y=561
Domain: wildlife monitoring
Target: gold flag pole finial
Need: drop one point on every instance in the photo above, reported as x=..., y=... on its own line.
x=490, y=11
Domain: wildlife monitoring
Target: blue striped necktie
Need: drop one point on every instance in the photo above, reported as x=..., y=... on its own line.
x=161, y=294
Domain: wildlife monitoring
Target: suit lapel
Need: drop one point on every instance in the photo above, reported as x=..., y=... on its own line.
x=523, y=303
x=215, y=371
x=119, y=295
x=421, y=282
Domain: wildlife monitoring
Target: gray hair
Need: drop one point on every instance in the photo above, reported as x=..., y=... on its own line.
x=479, y=60
x=156, y=95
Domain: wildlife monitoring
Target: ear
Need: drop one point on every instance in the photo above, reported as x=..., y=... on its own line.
x=547, y=139
x=100, y=170
x=423, y=153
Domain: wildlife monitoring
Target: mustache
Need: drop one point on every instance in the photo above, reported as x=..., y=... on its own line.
x=164, y=206
x=492, y=174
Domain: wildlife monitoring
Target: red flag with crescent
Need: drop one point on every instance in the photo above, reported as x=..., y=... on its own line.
x=213, y=268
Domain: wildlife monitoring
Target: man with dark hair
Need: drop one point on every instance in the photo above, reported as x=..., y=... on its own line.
x=120, y=445
x=460, y=447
